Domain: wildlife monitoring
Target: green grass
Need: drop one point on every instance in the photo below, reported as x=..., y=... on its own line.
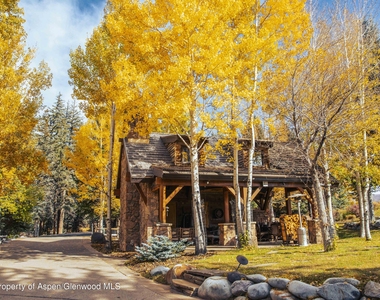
x=354, y=257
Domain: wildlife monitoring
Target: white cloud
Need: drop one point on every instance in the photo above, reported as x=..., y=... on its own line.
x=55, y=27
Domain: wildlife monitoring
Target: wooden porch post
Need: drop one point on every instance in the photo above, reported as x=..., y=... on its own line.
x=162, y=209
x=226, y=206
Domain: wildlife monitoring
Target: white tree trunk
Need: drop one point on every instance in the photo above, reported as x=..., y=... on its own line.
x=199, y=225
x=238, y=214
x=249, y=184
x=359, y=191
x=324, y=223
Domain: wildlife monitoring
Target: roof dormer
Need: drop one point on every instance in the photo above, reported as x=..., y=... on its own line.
x=178, y=149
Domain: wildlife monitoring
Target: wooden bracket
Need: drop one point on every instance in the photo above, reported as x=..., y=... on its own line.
x=142, y=194
x=255, y=193
x=172, y=195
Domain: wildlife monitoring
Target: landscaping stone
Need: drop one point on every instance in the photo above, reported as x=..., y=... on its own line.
x=240, y=287
x=278, y=283
x=281, y=295
x=240, y=298
x=339, y=291
x=372, y=289
x=302, y=290
x=258, y=287
x=333, y=280
x=258, y=291
x=159, y=270
x=176, y=272
x=215, y=288
x=98, y=238
x=256, y=278
x=234, y=276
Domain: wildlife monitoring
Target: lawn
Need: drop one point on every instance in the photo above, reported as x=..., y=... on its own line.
x=354, y=257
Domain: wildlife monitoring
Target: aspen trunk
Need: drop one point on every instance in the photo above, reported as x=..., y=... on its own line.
x=249, y=185
x=197, y=208
x=110, y=162
x=360, y=203
x=238, y=214
x=323, y=219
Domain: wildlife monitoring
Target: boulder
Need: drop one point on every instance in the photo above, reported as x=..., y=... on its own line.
x=278, y=283
x=240, y=287
x=334, y=280
x=256, y=278
x=234, y=276
x=339, y=291
x=160, y=270
x=215, y=288
x=98, y=238
x=258, y=291
x=302, y=290
x=372, y=289
x=176, y=272
x=281, y=295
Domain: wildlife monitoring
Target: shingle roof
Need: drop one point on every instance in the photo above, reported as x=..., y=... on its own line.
x=146, y=158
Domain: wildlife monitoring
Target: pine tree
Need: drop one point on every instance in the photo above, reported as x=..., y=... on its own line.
x=57, y=128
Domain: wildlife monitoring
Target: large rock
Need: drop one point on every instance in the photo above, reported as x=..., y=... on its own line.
x=281, y=295
x=372, y=289
x=215, y=288
x=302, y=290
x=278, y=283
x=256, y=278
x=234, y=276
x=334, y=280
x=98, y=238
x=160, y=270
x=339, y=291
x=240, y=287
x=176, y=272
x=258, y=291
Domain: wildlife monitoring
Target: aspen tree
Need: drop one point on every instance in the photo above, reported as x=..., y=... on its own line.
x=21, y=89
x=264, y=32
x=361, y=38
x=175, y=53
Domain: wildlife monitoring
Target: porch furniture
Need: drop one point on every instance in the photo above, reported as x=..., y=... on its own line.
x=212, y=235
x=179, y=233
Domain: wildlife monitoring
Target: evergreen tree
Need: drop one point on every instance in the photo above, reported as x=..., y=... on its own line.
x=57, y=128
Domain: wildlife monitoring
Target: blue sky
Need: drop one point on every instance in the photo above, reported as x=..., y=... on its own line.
x=55, y=27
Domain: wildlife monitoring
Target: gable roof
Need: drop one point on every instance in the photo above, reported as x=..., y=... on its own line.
x=150, y=159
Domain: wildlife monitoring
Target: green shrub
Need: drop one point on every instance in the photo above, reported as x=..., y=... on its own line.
x=160, y=248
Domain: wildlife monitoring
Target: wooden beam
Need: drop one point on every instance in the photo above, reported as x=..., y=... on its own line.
x=226, y=206
x=232, y=191
x=255, y=193
x=156, y=184
x=172, y=195
x=142, y=194
x=162, y=209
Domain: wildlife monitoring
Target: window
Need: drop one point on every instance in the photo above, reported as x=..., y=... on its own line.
x=185, y=154
x=258, y=159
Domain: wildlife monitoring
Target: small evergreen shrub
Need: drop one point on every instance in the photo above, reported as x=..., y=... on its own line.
x=160, y=248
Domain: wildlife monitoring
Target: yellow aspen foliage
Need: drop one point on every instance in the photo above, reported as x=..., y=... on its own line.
x=89, y=160
x=20, y=100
